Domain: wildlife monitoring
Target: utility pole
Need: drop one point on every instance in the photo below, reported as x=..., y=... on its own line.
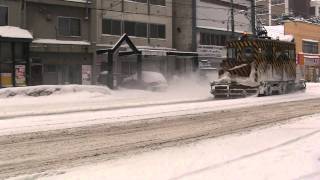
x=232, y=19
x=253, y=17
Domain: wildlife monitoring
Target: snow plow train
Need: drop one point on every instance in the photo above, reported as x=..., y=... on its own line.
x=258, y=66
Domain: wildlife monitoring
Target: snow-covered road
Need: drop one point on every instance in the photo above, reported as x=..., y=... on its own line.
x=287, y=152
x=104, y=126
x=20, y=115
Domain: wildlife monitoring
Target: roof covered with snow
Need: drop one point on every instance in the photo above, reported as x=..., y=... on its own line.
x=14, y=32
x=55, y=41
x=277, y=32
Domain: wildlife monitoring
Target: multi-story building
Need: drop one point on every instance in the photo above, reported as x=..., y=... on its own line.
x=315, y=8
x=149, y=25
x=271, y=11
x=307, y=41
x=211, y=26
x=61, y=50
x=67, y=34
x=14, y=45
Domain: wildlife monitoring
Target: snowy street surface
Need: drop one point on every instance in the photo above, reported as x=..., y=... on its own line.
x=284, y=152
x=30, y=114
x=67, y=130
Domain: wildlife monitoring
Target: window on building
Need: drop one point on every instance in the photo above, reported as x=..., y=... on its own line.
x=274, y=2
x=5, y=52
x=141, y=1
x=310, y=47
x=135, y=28
x=262, y=10
x=157, y=31
x=69, y=26
x=112, y=27
x=154, y=2
x=50, y=68
x=158, y=2
x=212, y=39
x=3, y=16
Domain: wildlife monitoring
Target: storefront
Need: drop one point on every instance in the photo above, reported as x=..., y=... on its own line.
x=60, y=62
x=311, y=63
x=14, y=56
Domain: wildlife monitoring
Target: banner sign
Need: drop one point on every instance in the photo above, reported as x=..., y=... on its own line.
x=20, y=78
x=86, y=74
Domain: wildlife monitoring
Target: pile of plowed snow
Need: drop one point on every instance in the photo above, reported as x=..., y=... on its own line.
x=47, y=90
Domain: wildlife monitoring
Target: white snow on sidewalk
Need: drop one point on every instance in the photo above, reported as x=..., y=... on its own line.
x=82, y=116
x=287, y=152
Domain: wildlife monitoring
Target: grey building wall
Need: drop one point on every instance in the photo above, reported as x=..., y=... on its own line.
x=57, y=58
x=15, y=13
x=183, y=17
x=137, y=12
x=42, y=20
x=216, y=14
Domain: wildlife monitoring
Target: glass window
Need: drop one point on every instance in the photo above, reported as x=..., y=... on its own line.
x=310, y=47
x=247, y=52
x=274, y=2
x=112, y=27
x=212, y=39
x=129, y=28
x=19, y=52
x=158, y=2
x=157, y=31
x=141, y=1
x=50, y=68
x=5, y=52
x=141, y=30
x=3, y=16
x=231, y=52
x=69, y=26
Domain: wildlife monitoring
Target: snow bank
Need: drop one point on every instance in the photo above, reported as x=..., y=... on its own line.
x=46, y=90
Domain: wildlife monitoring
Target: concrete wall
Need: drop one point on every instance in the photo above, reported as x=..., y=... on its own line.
x=137, y=12
x=217, y=16
x=300, y=7
x=42, y=20
x=182, y=24
x=15, y=14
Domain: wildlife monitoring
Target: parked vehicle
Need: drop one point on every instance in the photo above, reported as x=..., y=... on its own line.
x=153, y=81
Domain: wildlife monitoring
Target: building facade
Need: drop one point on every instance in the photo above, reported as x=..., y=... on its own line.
x=67, y=34
x=204, y=26
x=149, y=25
x=271, y=12
x=61, y=49
x=307, y=41
x=315, y=8
x=14, y=45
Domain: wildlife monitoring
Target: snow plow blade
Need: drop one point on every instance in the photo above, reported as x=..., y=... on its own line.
x=232, y=91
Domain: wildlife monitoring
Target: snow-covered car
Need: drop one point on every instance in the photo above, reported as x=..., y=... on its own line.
x=153, y=81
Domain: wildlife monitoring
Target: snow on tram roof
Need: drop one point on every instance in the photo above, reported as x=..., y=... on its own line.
x=277, y=32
